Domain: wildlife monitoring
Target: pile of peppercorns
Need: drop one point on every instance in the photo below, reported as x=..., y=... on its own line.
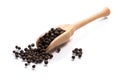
x=32, y=55
x=44, y=41
x=77, y=52
x=38, y=54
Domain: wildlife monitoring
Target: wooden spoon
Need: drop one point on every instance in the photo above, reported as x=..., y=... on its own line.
x=71, y=28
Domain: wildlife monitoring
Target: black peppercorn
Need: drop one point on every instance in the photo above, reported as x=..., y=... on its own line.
x=25, y=49
x=14, y=51
x=33, y=66
x=80, y=49
x=26, y=64
x=21, y=51
x=46, y=62
x=52, y=29
x=79, y=56
x=58, y=50
x=29, y=46
x=19, y=48
x=16, y=47
x=73, y=57
x=32, y=44
x=46, y=58
x=16, y=56
x=76, y=49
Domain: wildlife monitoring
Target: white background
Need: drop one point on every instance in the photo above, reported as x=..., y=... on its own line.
x=23, y=21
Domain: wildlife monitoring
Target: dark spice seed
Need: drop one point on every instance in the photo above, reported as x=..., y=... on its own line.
x=52, y=29
x=51, y=56
x=80, y=49
x=16, y=56
x=79, y=56
x=80, y=52
x=46, y=62
x=33, y=66
x=25, y=49
x=46, y=58
x=21, y=51
x=14, y=51
x=76, y=54
x=73, y=57
x=32, y=44
x=16, y=47
x=58, y=50
x=29, y=46
x=76, y=49
x=29, y=61
x=23, y=58
x=19, y=48
x=40, y=61
x=26, y=64
x=56, y=33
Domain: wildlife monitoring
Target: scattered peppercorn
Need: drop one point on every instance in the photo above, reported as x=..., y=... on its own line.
x=19, y=48
x=29, y=46
x=80, y=49
x=33, y=66
x=32, y=44
x=14, y=51
x=16, y=47
x=25, y=49
x=58, y=50
x=26, y=64
x=79, y=56
x=46, y=62
x=73, y=57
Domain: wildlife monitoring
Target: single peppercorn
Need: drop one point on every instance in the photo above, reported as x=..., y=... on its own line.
x=14, y=51
x=29, y=46
x=52, y=29
x=46, y=58
x=16, y=47
x=32, y=44
x=79, y=56
x=25, y=49
x=26, y=64
x=46, y=62
x=76, y=49
x=21, y=51
x=33, y=66
x=58, y=50
x=73, y=57
x=80, y=49
x=19, y=48
x=51, y=56
x=16, y=56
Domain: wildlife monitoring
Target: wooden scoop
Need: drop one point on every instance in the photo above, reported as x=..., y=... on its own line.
x=71, y=28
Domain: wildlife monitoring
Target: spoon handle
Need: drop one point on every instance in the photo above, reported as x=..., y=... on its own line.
x=103, y=13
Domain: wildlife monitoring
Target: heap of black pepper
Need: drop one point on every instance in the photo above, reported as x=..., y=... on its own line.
x=38, y=54
x=77, y=52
